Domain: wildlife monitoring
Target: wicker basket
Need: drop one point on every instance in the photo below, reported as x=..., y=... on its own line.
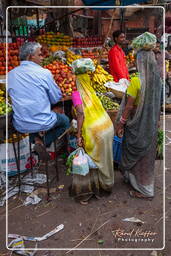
x=118, y=94
x=168, y=107
x=112, y=113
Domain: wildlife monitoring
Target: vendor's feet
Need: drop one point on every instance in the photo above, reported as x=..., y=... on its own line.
x=41, y=151
x=136, y=194
x=38, y=141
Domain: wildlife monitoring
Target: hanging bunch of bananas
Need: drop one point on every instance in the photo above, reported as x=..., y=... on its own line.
x=99, y=78
x=107, y=103
x=71, y=57
x=14, y=138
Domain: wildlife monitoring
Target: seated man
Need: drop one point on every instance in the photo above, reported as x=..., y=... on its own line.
x=32, y=90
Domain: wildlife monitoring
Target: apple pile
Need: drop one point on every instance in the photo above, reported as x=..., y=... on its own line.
x=87, y=42
x=63, y=77
x=87, y=53
x=13, y=57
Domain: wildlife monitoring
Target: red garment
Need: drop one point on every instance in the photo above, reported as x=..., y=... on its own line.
x=117, y=63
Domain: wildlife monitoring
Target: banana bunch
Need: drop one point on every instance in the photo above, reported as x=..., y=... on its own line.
x=107, y=103
x=71, y=57
x=99, y=78
x=98, y=87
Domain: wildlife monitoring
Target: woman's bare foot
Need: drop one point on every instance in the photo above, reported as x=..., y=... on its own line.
x=40, y=149
x=136, y=194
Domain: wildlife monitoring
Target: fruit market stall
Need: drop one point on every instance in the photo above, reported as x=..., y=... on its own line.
x=5, y=109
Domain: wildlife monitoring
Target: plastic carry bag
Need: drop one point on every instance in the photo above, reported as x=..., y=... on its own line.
x=82, y=66
x=91, y=163
x=25, y=161
x=80, y=163
x=145, y=41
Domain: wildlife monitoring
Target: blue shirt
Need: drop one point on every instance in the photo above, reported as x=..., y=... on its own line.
x=32, y=90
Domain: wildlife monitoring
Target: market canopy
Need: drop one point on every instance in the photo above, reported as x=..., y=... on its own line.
x=111, y=2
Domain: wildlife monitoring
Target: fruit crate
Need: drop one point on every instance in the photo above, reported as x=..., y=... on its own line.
x=117, y=149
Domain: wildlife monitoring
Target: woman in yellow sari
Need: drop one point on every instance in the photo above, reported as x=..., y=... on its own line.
x=95, y=134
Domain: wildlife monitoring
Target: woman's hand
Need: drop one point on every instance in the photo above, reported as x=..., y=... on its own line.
x=79, y=142
x=120, y=129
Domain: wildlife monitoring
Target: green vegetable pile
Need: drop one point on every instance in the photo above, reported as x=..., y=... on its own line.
x=145, y=41
x=107, y=103
x=69, y=164
x=3, y=109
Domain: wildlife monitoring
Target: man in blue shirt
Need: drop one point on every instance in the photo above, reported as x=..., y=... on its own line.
x=33, y=90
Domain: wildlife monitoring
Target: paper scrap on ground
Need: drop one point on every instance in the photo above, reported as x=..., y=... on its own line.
x=2, y=180
x=133, y=219
x=13, y=191
x=38, y=178
x=18, y=247
x=28, y=238
x=32, y=199
x=154, y=253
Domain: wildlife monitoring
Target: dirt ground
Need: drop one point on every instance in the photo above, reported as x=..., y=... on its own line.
x=100, y=221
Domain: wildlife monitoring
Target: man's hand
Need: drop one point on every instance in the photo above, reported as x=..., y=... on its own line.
x=119, y=130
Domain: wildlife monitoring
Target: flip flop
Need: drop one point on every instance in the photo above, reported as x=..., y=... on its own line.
x=136, y=194
x=84, y=202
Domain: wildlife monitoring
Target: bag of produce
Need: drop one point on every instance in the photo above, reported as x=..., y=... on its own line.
x=82, y=66
x=79, y=162
x=145, y=41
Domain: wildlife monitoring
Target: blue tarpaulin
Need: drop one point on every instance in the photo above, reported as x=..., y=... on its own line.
x=111, y=2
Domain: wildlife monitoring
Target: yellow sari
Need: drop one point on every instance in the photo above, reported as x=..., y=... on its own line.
x=97, y=132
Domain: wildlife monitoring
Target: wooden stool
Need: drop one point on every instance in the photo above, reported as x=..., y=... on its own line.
x=58, y=144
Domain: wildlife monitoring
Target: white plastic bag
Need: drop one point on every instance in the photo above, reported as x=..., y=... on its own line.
x=91, y=163
x=82, y=66
x=24, y=157
x=120, y=86
x=80, y=163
